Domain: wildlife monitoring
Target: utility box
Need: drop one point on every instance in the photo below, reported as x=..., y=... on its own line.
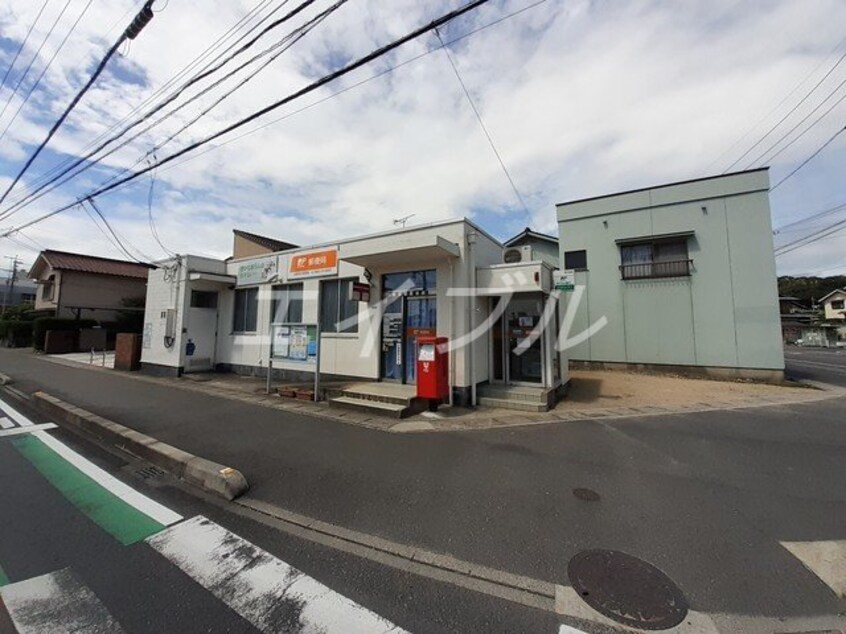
x=433, y=370
x=127, y=351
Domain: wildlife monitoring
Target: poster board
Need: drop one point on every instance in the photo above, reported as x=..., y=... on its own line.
x=294, y=342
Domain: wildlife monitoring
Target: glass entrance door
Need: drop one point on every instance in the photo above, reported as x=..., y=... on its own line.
x=525, y=364
x=420, y=321
x=410, y=313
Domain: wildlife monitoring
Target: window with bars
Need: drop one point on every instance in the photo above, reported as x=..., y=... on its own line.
x=664, y=258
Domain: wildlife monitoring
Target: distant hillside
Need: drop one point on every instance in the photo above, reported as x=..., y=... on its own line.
x=809, y=288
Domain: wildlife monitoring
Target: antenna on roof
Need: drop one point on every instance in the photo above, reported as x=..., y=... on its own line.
x=401, y=221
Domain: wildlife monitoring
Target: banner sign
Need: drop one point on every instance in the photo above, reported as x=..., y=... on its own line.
x=257, y=271
x=294, y=342
x=313, y=263
x=564, y=280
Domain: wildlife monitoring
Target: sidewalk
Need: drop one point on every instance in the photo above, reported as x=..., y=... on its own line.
x=669, y=486
x=593, y=395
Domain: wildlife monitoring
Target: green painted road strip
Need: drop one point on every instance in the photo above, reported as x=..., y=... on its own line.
x=4, y=580
x=122, y=520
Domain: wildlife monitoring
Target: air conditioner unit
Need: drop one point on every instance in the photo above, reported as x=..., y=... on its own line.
x=515, y=255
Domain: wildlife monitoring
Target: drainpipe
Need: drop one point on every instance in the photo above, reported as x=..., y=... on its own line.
x=471, y=283
x=452, y=317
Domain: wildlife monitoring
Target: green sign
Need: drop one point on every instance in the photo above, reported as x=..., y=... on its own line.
x=564, y=280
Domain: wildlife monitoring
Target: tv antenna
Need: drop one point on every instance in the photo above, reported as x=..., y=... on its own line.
x=401, y=221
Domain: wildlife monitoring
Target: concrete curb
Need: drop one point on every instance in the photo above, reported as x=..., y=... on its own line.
x=212, y=477
x=5, y=379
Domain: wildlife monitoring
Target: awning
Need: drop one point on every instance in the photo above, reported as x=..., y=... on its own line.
x=656, y=238
x=418, y=248
x=212, y=277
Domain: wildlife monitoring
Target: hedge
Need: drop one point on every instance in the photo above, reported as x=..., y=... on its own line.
x=16, y=334
x=41, y=325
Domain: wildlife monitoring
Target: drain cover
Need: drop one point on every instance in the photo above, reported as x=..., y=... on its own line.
x=627, y=589
x=588, y=495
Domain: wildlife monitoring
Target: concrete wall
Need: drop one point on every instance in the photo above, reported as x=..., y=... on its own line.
x=725, y=314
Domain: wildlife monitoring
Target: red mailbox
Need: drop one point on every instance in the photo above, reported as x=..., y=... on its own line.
x=433, y=369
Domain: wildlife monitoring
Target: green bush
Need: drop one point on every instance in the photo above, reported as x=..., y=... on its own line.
x=16, y=334
x=43, y=324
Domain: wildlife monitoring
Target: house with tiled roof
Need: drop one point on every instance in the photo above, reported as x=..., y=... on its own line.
x=79, y=286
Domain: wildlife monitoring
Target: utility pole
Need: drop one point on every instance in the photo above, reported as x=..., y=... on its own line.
x=10, y=283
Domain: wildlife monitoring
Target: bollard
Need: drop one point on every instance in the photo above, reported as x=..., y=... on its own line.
x=269, y=375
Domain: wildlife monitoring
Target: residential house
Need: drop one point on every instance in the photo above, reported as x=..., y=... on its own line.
x=834, y=311
x=77, y=286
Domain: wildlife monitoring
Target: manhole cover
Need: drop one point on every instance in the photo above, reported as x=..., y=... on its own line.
x=588, y=495
x=627, y=589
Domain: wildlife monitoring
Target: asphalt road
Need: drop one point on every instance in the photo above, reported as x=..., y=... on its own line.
x=827, y=365
x=705, y=497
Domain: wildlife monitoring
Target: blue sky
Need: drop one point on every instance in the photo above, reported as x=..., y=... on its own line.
x=581, y=98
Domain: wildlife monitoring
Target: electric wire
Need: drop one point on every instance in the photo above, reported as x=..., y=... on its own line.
x=45, y=69
x=326, y=79
x=785, y=117
x=809, y=159
x=814, y=216
x=34, y=59
x=49, y=174
x=482, y=123
x=23, y=44
x=97, y=71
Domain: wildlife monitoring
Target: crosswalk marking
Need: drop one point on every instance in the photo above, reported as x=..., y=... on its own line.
x=56, y=603
x=265, y=591
x=16, y=431
x=5, y=423
x=826, y=559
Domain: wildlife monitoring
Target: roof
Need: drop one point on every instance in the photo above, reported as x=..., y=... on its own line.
x=662, y=186
x=64, y=261
x=825, y=297
x=267, y=243
x=528, y=233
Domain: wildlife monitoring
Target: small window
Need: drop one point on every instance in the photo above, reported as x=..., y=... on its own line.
x=245, y=315
x=666, y=258
x=203, y=299
x=338, y=313
x=47, y=288
x=575, y=260
x=287, y=304
x=837, y=304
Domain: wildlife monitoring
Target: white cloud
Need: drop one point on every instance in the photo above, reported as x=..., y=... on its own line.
x=581, y=98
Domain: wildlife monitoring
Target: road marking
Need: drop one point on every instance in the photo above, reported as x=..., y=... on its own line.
x=56, y=603
x=821, y=364
x=569, y=603
x=121, y=511
x=262, y=589
x=566, y=629
x=17, y=431
x=826, y=559
x=5, y=423
x=19, y=418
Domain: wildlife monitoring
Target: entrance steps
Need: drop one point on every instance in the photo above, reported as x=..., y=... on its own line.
x=381, y=399
x=516, y=397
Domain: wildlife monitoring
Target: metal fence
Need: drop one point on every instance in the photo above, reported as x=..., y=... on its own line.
x=647, y=270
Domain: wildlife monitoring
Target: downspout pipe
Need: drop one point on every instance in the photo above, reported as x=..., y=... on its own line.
x=471, y=309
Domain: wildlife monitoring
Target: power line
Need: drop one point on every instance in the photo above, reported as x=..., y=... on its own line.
x=810, y=158
x=34, y=58
x=481, y=122
x=144, y=16
x=23, y=43
x=145, y=259
x=790, y=112
x=362, y=61
x=44, y=70
x=814, y=216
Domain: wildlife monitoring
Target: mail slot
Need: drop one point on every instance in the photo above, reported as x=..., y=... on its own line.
x=433, y=369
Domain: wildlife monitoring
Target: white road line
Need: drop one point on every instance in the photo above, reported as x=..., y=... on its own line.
x=569, y=603
x=151, y=508
x=820, y=364
x=15, y=431
x=262, y=589
x=826, y=559
x=566, y=629
x=57, y=603
x=5, y=423
x=19, y=418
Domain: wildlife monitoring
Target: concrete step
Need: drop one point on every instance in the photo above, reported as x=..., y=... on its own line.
x=375, y=394
x=379, y=408
x=523, y=406
x=514, y=393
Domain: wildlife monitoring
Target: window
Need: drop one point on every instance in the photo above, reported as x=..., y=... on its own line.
x=337, y=312
x=203, y=299
x=245, y=316
x=29, y=297
x=837, y=304
x=287, y=304
x=47, y=288
x=575, y=260
x=665, y=258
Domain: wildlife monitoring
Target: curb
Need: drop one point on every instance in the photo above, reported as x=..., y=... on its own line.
x=212, y=477
x=5, y=379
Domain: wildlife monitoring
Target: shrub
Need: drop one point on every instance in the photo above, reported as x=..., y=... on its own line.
x=16, y=334
x=43, y=324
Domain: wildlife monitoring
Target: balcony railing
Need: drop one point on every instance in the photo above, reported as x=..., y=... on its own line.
x=648, y=270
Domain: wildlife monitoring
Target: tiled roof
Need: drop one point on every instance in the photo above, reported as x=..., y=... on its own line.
x=63, y=261
x=267, y=243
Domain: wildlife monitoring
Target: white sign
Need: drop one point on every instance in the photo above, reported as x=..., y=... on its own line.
x=257, y=271
x=564, y=280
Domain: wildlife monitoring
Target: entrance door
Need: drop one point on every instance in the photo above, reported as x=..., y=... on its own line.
x=201, y=337
x=525, y=365
x=392, y=336
x=405, y=319
x=420, y=321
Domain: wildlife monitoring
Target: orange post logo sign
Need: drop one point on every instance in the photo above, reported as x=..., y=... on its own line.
x=312, y=263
